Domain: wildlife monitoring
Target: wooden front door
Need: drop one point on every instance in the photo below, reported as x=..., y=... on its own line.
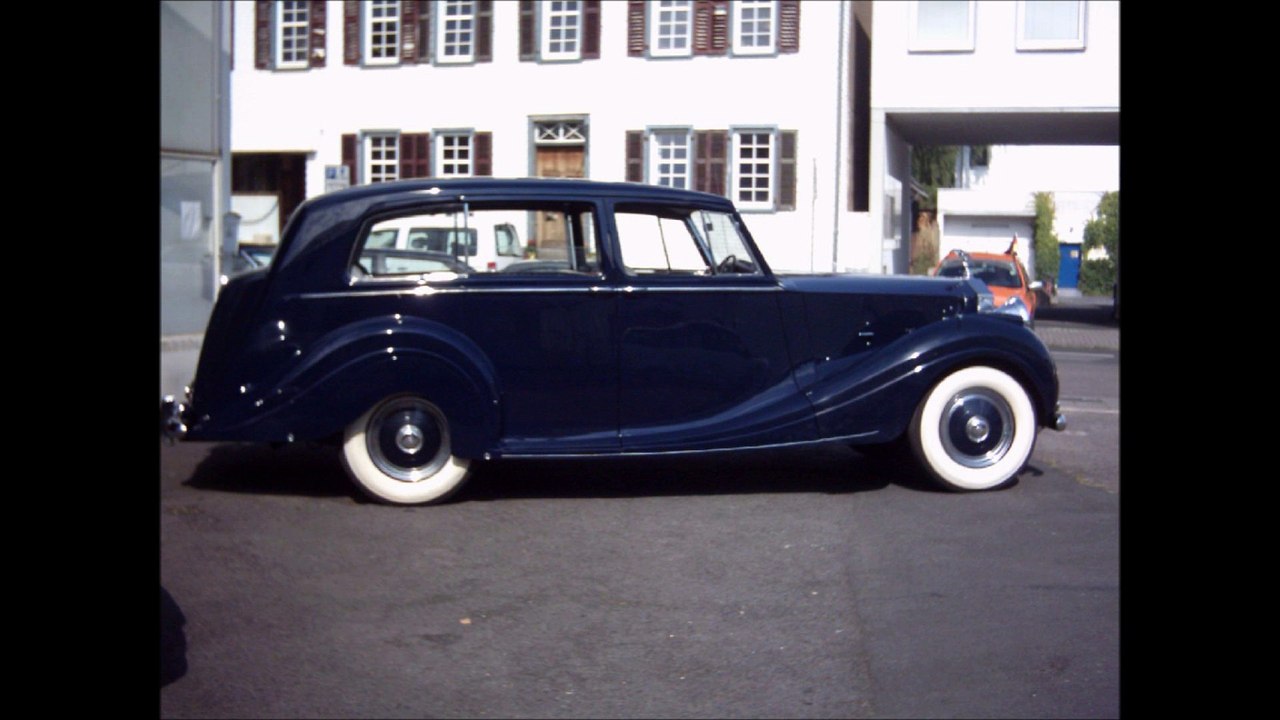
x=556, y=161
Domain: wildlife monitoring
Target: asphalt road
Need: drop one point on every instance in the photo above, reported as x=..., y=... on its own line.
x=778, y=584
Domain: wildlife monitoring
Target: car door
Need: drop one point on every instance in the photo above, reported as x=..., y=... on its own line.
x=703, y=361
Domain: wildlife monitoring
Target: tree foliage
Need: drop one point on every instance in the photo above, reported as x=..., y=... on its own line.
x=934, y=166
x=1044, y=239
x=1103, y=231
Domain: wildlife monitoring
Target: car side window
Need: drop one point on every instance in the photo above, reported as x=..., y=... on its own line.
x=668, y=241
x=480, y=238
x=655, y=244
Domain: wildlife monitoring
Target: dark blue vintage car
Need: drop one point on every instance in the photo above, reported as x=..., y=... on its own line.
x=650, y=325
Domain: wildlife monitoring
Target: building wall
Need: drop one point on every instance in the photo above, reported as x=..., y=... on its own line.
x=996, y=74
x=976, y=218
x=194, y=159
x=991, y=79
x=309, y=110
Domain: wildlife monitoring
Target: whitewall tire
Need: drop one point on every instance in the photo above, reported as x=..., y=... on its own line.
x=974, y=430
x=399, y=452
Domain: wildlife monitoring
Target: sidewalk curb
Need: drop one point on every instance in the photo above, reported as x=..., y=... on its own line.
x=1079, y=338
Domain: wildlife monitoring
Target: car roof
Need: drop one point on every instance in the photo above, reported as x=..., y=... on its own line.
x=952, y=256
x=485, y=187
x=326, y=224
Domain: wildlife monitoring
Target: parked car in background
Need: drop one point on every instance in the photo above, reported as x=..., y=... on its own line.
x=659, y=329
x=377, y=262
x=249, y=256
x=1003, y=273
x=487, y=242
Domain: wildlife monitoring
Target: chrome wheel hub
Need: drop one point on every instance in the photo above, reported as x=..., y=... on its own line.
x=976, y=428
x=407, y=439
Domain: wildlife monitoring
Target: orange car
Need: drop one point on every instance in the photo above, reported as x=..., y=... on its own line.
x=1003, y=274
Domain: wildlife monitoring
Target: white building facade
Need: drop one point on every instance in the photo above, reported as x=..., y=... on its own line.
x=748, y=99
x=976, y=73
x=996, y=201
x=803, y=113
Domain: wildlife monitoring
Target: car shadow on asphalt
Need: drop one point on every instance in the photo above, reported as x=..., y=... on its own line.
x=315, y=470
x=305, y=469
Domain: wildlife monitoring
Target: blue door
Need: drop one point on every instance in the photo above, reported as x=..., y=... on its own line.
x=1069, y=265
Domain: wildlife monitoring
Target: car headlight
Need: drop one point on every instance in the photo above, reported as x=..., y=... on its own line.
x=986, y=302
x=1015, y=306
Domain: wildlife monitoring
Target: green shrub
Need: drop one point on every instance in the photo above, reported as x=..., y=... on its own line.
x=1097, y=276
x=1044, y=239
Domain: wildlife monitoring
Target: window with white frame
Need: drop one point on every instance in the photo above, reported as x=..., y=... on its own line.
x=293, y=20
x=941, y=25
x=561, y=29
x=752, y=168
x=456, y=32
x=672, y=28
x=453, y=155
x=382, y=157
x=669, y=158
x=754, y=27
x=1051, y=25
x=381, y=32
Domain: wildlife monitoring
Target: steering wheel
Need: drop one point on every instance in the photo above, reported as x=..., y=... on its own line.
x=728, y=265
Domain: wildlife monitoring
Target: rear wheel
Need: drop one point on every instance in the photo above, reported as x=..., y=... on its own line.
x=399, y=452
x=974, y=430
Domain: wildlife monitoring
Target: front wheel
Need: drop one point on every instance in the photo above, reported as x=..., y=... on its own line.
x=399, y=452
x=974, y=430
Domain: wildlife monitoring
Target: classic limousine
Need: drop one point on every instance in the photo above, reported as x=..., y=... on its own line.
x=648, y=323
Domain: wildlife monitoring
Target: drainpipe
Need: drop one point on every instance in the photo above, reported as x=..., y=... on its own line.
x=839, y=156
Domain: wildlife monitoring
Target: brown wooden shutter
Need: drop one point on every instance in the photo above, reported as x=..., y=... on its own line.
x=710, y=27
x=349, y=151
x=415, y=155
x=350, y=34
x=591, y=30
x=635, y=156
x=710, y=155
x=316, y=42
x=484, y=31
x=637, y=37
x=482, y=154
x=409, y=31
x=787, y=170
x=262, y=34
x=788, y=26
x=528, y=46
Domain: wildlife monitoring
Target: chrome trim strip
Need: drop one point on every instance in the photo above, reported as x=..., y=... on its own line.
x=671, y=453
x=701, y=288
x=428, y=290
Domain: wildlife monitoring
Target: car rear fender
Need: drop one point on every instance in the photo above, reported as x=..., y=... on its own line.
x=348, y=370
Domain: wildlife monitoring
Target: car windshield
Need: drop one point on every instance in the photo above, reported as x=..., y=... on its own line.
x=991, y=272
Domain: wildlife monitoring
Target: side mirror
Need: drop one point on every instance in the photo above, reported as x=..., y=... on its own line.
x=1037, y=285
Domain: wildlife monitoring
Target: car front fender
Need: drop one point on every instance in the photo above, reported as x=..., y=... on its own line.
x=871, y=397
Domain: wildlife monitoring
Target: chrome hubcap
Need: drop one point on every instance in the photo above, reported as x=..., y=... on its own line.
x=407, y=439
x=976, y=428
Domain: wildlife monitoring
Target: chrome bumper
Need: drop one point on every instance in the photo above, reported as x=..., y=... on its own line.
x=172, y=428
x=1059, y=420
